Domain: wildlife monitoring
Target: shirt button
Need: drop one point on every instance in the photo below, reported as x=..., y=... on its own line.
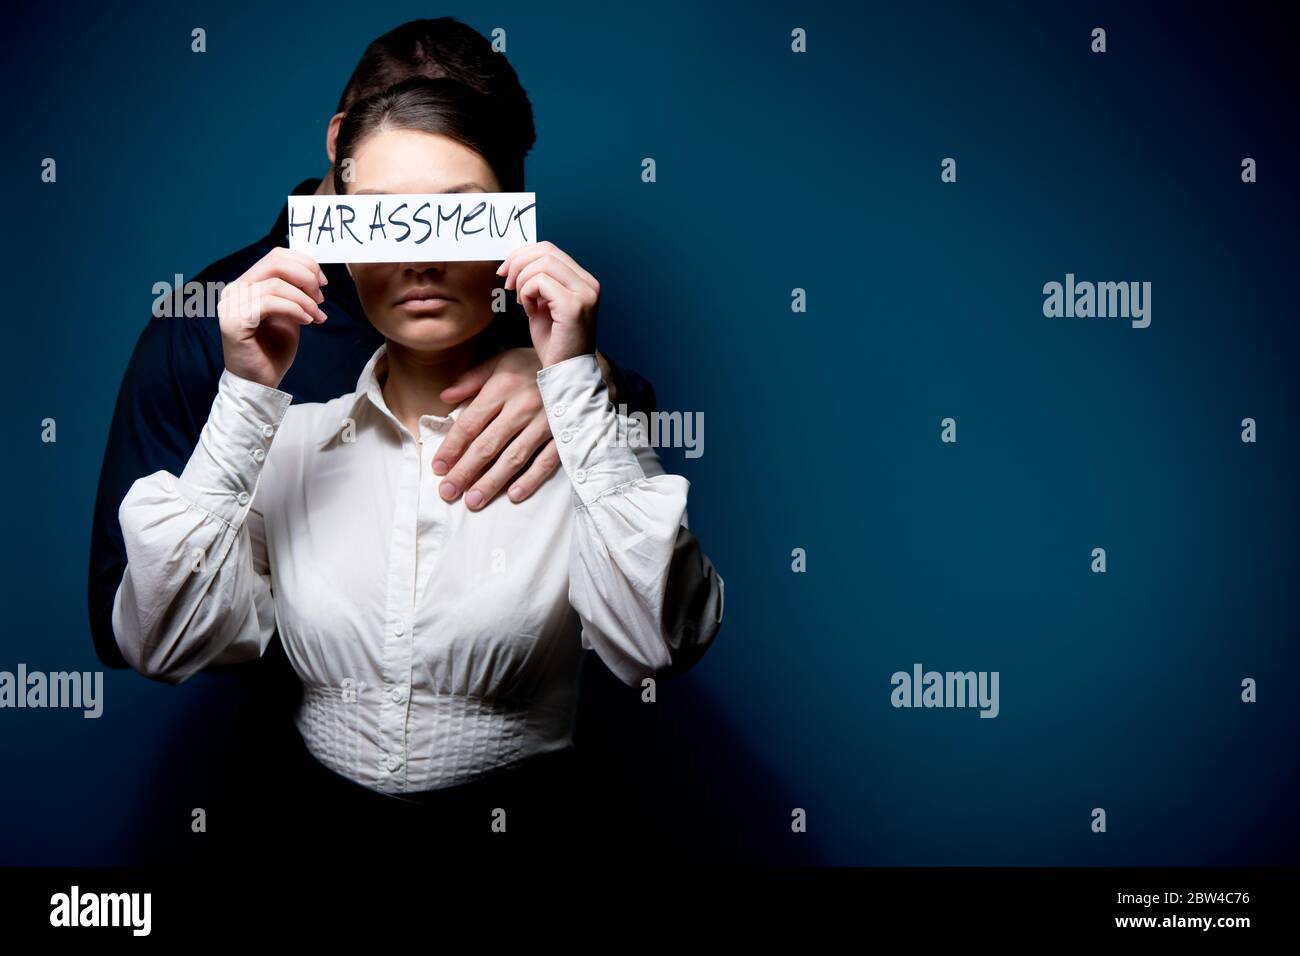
x=580, y=475
x=268, y=430
x=566, y=436
x=394, y=762
x=258, y=454
x=398, y=695
x=560, y=409
x=242, y=497
x=399, y=629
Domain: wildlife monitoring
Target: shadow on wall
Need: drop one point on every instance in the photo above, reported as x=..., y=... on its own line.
x=694, y=789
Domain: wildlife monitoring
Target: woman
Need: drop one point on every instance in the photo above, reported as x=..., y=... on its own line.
x=439, y=648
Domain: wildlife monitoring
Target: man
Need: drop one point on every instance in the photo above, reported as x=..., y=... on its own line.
x=172, y=378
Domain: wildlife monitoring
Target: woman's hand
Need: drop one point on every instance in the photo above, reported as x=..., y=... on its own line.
x=263, y=310
x=559, y=297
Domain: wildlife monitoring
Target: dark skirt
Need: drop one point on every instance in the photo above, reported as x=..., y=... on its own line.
x=529, y=808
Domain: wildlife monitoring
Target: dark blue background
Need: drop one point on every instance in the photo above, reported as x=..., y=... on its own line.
x=775, y=171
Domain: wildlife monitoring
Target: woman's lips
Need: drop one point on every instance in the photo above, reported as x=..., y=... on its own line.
x=424, y=303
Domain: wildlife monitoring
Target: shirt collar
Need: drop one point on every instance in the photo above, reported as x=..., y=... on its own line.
x=369, y=390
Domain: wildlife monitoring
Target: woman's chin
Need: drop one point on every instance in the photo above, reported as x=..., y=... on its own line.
x=428, y=333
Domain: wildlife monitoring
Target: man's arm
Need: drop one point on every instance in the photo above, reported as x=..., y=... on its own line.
x=166, y=393
x=626, y=387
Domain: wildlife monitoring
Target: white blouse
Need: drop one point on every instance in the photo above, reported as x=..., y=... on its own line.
x=434, y=643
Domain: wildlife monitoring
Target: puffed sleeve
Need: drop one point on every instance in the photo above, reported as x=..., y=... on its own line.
x=196, y=590
x=649, y=599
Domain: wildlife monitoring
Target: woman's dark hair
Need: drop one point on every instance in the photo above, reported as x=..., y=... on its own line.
x=447, y=107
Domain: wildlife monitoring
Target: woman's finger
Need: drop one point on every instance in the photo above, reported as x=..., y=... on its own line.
x=307, y=260
x=572, y=263
x=557, y=269
x=524, y=255
x=541, y=286
x=517, y=259
x=274, y=305
x=245, y=306
x=286, y=290
x=281, y=263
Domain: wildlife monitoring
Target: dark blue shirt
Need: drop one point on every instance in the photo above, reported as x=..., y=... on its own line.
x=171, y=383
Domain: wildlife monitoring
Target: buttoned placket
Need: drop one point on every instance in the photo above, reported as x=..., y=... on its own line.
x=419, y=516
x=398, y=616
x=432, y=527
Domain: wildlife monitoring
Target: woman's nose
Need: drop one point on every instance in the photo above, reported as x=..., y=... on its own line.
x=418, y=267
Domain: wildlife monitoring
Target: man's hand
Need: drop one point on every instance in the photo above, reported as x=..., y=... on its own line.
x=498, y=434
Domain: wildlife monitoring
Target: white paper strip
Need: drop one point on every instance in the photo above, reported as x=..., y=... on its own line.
x=431, y=227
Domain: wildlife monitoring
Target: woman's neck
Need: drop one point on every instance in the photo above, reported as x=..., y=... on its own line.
x=414, y=379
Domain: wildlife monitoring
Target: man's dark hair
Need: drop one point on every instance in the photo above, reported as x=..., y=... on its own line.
x=438, y=48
